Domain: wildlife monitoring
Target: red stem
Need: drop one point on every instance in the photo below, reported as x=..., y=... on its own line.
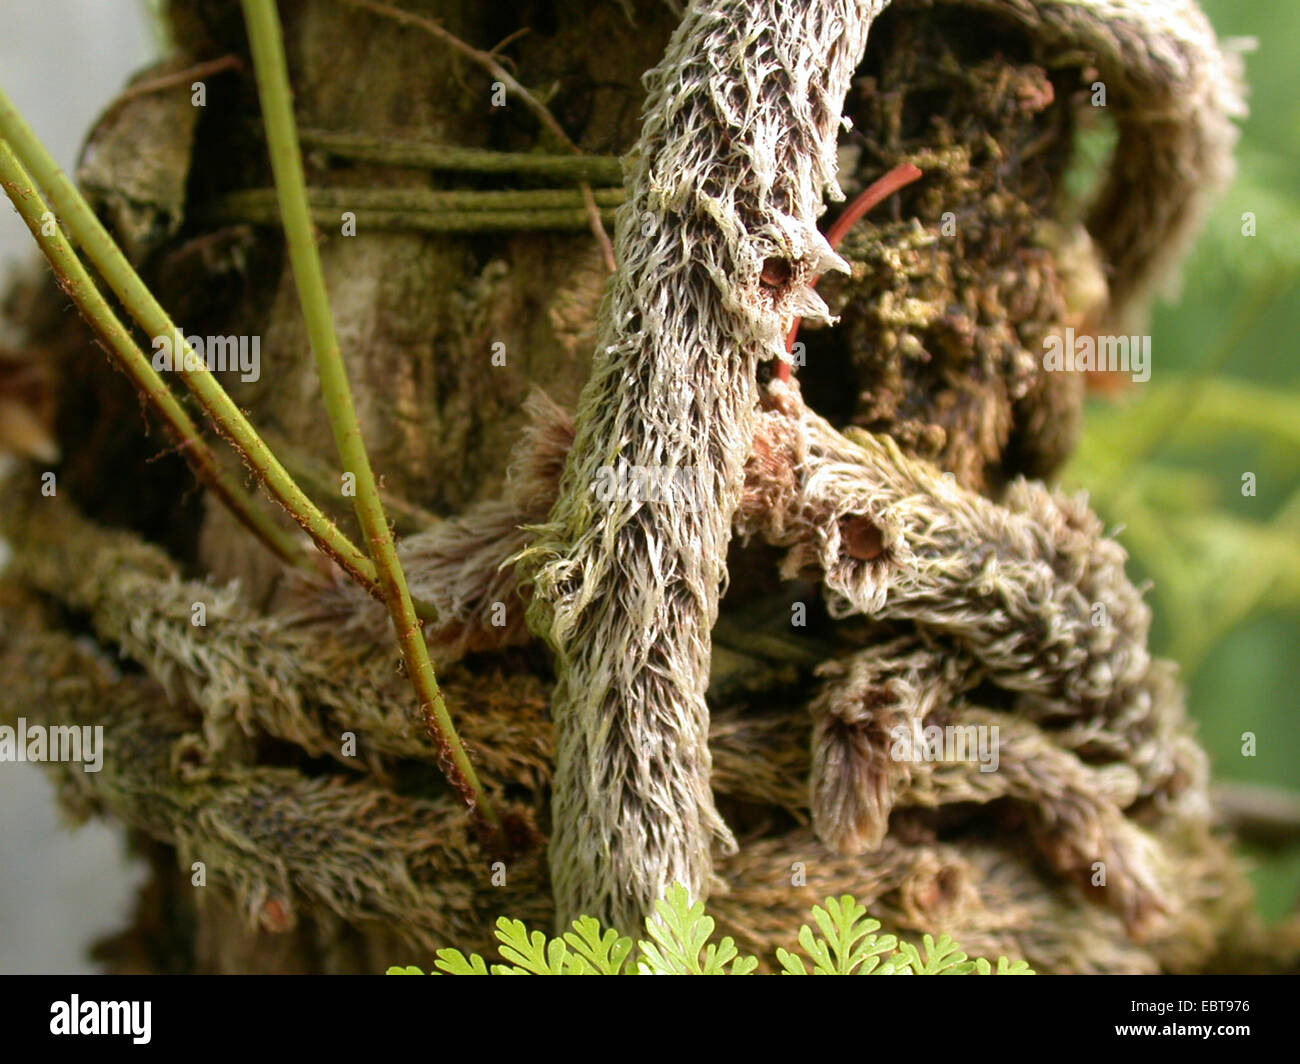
x=878, y=192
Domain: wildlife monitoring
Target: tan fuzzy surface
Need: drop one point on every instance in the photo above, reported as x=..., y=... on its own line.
x=710, y=688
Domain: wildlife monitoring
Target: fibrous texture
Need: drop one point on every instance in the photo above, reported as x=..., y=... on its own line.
x=716, y=245
x=305, y=678
x=976, y=605
x=1026, y=594
x=458, y=566
x=280, y=841
x=1175, y=91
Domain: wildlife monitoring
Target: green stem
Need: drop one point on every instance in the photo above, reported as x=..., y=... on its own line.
x=87, y=231
x=426, y=155
x=259, y=208
x=424, y=200
x=320, y=478
x=488, y=61
x=265, y=39
x=77, y=283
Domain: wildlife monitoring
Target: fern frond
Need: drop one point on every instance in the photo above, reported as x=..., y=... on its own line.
x=530, y=954
x=679, y=941
x=453, y=962
x=850, y=945
x=939, y=958
x=606, y=952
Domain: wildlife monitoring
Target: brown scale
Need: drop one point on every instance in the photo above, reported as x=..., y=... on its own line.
x=940, y=335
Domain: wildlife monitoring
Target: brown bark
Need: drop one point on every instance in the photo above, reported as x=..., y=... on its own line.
x=419, y=314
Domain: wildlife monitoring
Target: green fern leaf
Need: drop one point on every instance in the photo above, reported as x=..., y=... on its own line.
x=1005, y=967
x=453, y=962
x=791, y=963
x=850, y=945
x=597, y=953
x=940, y=958
x=531, y=954
x=679, y=941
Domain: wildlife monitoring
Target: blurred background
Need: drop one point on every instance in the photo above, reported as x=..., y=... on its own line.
x=61, y=62
x=1165, y=460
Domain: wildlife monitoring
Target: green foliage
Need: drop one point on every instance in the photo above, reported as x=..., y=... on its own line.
x=585, y=950
x=1231, y=563
x=680, y=933
x=850, y=945
x=939, y=958
x=1005, y=967
x=1166, y=460
x=606, y=952
x=678, y=943
x=1215, y=554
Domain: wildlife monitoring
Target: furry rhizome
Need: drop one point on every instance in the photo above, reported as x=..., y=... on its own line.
x=716, y=244
x=948, y=607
